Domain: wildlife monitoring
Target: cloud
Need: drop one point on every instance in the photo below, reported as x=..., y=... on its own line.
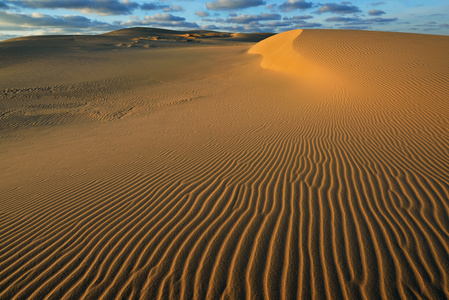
x=153, y=6
x=431, y=26
x=355, y=27
x=265, y=22
x=10, y=28
x=428, y=24
x=381, y=20
x=209, y=27
x=202, y=14
x=165, y=17
x=275, y=24
x=375, y=12
x=234, y=28
x=377, y=3
x=3, y=5
x=160, y=20
x=295, y=4
x=102, y=7
x=309, y=25
x=177, y=24
x=293, y=24
x=233, y=4
x=174, y=7
x=7, y=36
x=298, y=18
x=343, y=8
x=342, y=19
x=161, y=6
x=305, y=17
x=245, y=19
x=359, y=23
x=42, y=20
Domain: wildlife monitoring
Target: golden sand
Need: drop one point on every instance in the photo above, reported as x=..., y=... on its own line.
x=191, y=165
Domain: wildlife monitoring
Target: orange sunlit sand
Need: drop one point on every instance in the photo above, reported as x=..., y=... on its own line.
x=156, y=164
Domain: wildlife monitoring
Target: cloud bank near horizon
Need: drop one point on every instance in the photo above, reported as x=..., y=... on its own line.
x=27, y=17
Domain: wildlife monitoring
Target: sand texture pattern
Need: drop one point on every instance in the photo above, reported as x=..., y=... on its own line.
x=313, y=164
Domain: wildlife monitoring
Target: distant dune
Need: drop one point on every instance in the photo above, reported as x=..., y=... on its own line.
x=155, y=164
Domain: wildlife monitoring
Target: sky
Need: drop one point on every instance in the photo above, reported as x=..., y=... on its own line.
x=41, y=17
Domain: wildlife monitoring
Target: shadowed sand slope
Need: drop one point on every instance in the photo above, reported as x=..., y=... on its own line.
x=316, y=169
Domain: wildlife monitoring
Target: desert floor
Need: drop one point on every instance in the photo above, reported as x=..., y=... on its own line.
x=154, y=164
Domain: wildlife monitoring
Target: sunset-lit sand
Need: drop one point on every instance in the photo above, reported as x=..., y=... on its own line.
x=153, y=164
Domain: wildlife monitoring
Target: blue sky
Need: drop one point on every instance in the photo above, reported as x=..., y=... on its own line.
x=36, y=17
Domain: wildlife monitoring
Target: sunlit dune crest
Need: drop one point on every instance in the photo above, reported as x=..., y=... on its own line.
x=157, y=164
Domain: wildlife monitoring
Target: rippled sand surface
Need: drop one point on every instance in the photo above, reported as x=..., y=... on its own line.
x=194, y=165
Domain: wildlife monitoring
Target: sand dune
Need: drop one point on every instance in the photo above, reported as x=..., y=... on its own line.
x=318, y=168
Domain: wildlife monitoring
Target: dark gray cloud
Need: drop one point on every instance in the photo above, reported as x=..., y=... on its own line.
x=160, y=20
x=290, y=24
x=375, y=12
x=381, y=20
x=165, y=17
x=233, y=4
x=42, y=20
x=265, y=22
x=209, y=27
x=428, y=24
x=153, y=6
x=176, y=24
x=343, y=8
x=275, y=24
x=309, y=25
x=295, y=4
x=359, y=23
x=161, y=6
x=10, y=27
x=353, y=27
x=305, y=17
x=298, y=18
x=202, y=14
x=342, y=19
x=234, y=28
x=7, y=36
x=245, y=19
x=431, y=26
x=102, y=7
x=174, y=7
